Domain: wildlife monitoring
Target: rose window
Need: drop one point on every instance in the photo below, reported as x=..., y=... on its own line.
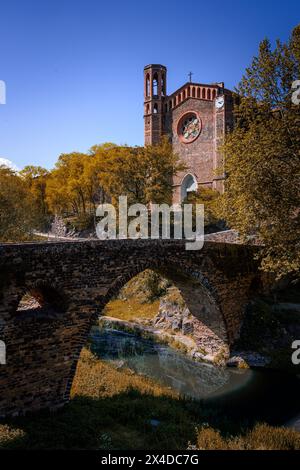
x=189, y=127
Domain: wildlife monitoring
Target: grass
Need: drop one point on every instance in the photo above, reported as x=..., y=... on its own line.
x=113, y=408
x=131, y=309
x=139, y=299
x=104, y=380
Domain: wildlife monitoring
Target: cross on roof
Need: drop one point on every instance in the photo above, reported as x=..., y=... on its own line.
x=190, y=76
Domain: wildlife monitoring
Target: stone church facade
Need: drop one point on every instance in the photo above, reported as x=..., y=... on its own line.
x=195, y=118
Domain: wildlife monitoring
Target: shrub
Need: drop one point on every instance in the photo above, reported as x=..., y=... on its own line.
x=261, y=437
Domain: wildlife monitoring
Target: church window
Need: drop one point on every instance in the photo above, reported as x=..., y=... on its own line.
x=213, y=94
x=208, y=94
x=189, y=127
x=203, y=93
x=170, y=105
x=198, y=92
x=193, y=92
x=155, y=108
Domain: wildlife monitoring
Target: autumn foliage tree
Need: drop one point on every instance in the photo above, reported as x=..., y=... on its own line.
x=143, y=174
x=211, y=200
x=81, y=181
x=66, y=191
x=262, y=192
x=18, y=215
x=35, y=178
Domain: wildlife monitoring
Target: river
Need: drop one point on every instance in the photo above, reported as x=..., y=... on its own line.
x=265, y=395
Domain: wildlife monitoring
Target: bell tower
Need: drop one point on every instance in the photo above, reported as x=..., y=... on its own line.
x=155, y=89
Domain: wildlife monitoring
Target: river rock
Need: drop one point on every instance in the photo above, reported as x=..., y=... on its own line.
x=172, y=316
x=244, y=359
x=187, y=326
x=175, y=318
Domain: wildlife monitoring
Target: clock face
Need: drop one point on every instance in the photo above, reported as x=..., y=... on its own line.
x=219, y=102
x=189, y=127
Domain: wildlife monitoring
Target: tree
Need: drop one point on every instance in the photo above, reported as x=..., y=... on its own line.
x=143, y=174
x=18, y=216
x=263, y=157
x=210, y=199
x=36, y=179
x=66, y=190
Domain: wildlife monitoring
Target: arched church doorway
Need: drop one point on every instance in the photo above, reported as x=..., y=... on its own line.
x=189, y=184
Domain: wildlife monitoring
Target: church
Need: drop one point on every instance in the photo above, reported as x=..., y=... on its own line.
x=195, y=118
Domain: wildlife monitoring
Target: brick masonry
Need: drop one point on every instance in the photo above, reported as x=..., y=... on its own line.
x=162, y=113
x=76, y=279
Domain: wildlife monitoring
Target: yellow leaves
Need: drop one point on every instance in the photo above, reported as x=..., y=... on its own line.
x=66, y=190
x=81, y=181
x=143, y=174
x=17, y=209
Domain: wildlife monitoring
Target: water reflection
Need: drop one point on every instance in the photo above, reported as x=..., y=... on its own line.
x=264, y=395
x=166, y=365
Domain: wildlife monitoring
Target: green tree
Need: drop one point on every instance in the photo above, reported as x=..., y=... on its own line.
x=263, y=157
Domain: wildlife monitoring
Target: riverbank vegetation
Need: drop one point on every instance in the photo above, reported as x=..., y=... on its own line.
x=116, y=409
x=261, y=437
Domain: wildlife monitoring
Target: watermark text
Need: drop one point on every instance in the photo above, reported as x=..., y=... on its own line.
x=133, y=222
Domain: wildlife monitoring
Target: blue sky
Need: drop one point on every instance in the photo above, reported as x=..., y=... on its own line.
x=74, y=68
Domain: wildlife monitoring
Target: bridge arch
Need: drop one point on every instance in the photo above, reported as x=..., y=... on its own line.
x=191, y=283
x=46, y=296
x=195, y=288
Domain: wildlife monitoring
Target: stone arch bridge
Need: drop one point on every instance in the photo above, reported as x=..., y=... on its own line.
x=75, y=280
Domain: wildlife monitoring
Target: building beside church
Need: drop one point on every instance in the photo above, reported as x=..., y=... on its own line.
x=195, y=118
